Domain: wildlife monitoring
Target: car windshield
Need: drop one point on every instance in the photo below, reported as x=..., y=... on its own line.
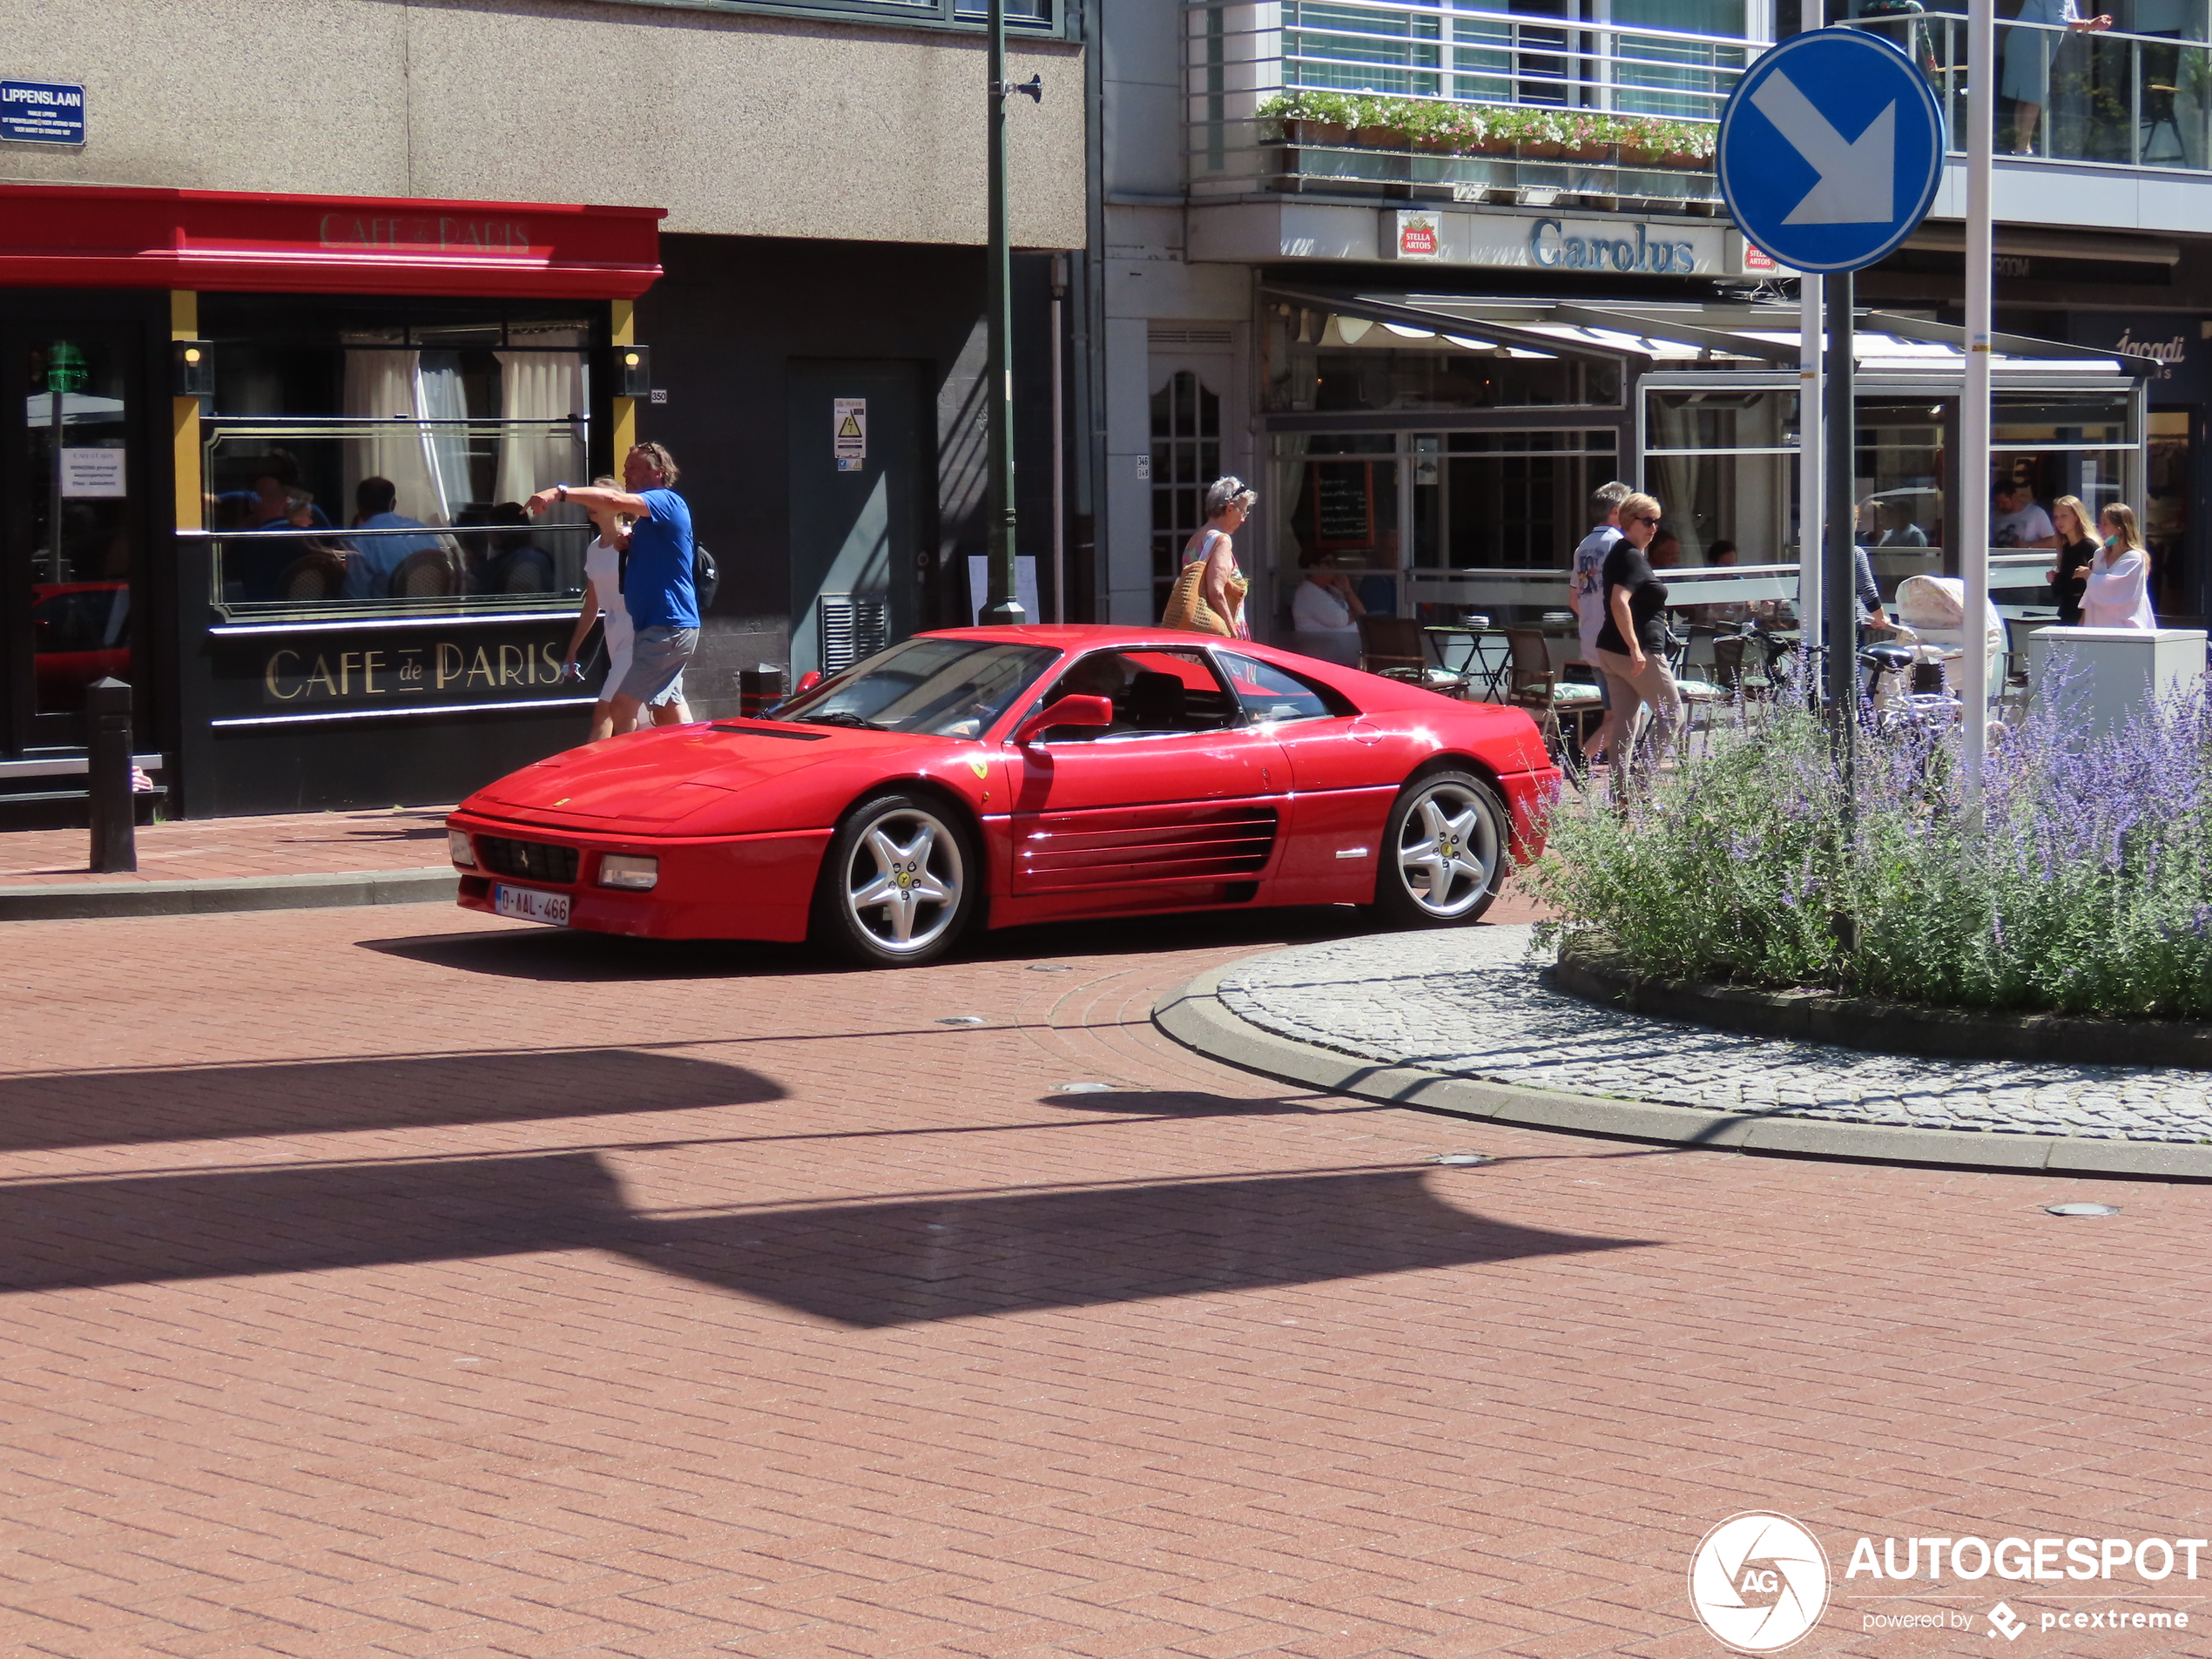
x=939, y=688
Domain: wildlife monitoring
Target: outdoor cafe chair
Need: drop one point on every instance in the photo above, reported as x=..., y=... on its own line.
x=1396, y=648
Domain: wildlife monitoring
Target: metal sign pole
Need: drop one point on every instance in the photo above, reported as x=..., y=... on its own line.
x=998, y=370
x=1811, y=460
x=1973, y=407
x=1840, y=581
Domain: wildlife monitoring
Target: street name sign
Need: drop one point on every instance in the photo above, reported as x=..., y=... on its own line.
x=42, y=112
x=1831, y=150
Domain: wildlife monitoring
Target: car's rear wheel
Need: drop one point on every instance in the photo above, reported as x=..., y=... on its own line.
x=899, y=882
x=1444, y=852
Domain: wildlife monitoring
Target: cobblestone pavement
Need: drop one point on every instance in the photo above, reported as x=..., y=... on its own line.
x=1473, y=1003
x=418, y=1284
x=220, y=848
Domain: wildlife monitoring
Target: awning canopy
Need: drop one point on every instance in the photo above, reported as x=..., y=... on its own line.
x=127, y=237
x=1718, y=334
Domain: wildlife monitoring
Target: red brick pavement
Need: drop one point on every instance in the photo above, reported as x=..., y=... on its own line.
x=222, y=848
x=409, y=1282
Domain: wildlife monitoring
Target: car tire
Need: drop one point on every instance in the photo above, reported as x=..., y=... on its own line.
x=899, y=882
x=1446, y=824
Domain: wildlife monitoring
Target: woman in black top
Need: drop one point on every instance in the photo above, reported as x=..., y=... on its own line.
x=2078, y=545
x=1630, y=646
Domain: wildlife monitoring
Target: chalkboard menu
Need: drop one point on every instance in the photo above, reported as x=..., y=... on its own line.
x=1346, y=490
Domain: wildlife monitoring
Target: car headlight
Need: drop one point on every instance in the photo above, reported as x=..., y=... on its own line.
x=457, y=845
x=628, y=870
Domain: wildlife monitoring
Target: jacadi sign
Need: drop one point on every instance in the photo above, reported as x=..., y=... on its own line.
x=1560, y=242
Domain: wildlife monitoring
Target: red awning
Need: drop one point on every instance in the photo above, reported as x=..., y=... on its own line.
x=66, y=236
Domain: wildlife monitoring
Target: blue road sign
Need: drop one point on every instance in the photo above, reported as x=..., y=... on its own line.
x=42, y=112
x=1831, y=150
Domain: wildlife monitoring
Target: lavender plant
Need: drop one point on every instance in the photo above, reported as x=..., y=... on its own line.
x=2083, y=886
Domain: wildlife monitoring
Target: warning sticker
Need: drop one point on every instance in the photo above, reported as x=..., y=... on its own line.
x=849, y=430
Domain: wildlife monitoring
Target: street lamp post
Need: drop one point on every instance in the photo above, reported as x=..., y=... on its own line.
x=1001, y=605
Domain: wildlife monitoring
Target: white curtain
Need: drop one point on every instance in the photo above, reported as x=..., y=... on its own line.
x=439, y=396
x=537, y=385
x=379, y=385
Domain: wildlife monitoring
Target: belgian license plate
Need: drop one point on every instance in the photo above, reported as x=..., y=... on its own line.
x=530, y=904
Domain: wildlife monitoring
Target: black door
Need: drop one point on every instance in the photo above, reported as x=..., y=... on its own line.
x=73, y=482
x=856, y=529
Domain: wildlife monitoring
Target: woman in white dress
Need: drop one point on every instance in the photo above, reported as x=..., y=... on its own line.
x=2119, y=591
x=602, y=598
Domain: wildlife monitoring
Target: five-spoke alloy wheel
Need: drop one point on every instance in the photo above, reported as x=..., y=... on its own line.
x=1444, y=852
x=899, y=883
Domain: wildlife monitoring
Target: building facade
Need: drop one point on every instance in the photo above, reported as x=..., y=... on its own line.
x=1424, y=274
x=302, y=250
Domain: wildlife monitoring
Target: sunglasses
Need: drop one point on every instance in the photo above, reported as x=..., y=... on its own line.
x=1652, y=522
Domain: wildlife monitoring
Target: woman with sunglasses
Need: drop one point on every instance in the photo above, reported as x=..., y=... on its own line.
x=1629, y=644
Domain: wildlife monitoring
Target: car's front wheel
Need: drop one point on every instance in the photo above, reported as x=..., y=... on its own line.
x=899, y=883
x=1444, y=852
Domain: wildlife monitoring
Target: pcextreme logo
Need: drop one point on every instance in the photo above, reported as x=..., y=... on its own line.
x=1758, y=1582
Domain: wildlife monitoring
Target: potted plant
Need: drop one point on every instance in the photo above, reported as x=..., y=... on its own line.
x=1543, y=135
x=1382, y=122
x=1309, y=117
x=1590, y=137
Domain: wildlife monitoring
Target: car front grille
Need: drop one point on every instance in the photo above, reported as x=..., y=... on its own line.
x=529, y=861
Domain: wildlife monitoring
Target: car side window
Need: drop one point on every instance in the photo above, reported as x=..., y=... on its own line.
x=1155, y=692
x=1275, y=695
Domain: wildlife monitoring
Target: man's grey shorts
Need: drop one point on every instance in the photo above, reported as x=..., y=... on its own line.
x=657, y=659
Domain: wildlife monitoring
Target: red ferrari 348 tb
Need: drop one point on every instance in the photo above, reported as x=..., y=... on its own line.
x=1021, y=775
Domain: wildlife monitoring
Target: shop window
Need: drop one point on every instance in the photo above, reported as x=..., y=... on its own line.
x=1505, y=500
x=80, y=514
x=1902, y=511
x=363, y=460
x=1186, y=457
x=2165, y=517
x=1340, y=504
x=1722, y=464
x=2042, y=448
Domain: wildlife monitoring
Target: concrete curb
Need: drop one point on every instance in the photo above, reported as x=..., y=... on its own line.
x=1886, y=1028
x=1196, y=1017
x=243, y=893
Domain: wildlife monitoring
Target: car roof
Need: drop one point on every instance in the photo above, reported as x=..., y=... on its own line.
x=1077, y=635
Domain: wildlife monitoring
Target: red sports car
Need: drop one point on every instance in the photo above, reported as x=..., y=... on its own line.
x=1021, y=775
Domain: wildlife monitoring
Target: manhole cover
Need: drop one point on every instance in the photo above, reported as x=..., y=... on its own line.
x=1082, y=1089
x=1465, y=1157
x=1052, y=967
x=961, y=1019
x=2082, y=1209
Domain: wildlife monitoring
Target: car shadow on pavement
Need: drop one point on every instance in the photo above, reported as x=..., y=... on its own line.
x=294, y=1097
x=570, y=955
x=865, y=1265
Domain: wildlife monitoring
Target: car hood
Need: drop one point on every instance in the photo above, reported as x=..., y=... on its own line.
x=736, y=777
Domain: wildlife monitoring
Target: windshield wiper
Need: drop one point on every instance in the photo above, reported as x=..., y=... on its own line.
x=843, y=717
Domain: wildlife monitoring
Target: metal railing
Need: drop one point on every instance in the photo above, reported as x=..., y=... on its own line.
x=2126, y=100
x=1425, y=101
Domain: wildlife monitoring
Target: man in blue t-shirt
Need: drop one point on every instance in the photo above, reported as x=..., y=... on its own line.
x=656, y=584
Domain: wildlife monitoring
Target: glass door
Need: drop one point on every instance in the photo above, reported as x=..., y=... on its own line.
x=74, y=525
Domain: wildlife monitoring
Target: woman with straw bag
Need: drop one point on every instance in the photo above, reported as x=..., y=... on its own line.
x=1209, y=596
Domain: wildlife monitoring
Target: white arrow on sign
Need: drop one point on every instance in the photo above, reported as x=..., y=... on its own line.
x=1857, y=180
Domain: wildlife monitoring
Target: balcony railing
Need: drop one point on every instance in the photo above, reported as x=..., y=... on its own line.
x=1400, y=98
x=2124, y=100
x=1431, y=101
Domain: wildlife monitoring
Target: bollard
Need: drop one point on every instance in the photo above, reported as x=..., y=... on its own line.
x=107, y=720
x=758, y=689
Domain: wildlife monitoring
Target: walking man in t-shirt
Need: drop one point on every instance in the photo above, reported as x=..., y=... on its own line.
x=1585, y=590
x=656, y=584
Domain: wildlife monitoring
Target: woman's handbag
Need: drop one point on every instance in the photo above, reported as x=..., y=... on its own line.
x=1187, y=607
